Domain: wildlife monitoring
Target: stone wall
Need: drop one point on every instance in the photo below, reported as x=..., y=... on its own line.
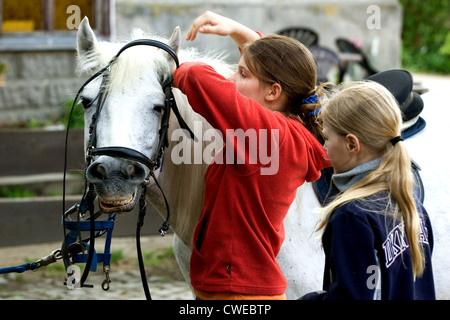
x=41, y=74
x=38, y=83
x=330, y=18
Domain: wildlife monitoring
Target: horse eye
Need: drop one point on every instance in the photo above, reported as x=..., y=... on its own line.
x=86, y=102
x=158, y=108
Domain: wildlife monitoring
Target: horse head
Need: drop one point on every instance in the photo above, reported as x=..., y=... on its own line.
x=123, y=109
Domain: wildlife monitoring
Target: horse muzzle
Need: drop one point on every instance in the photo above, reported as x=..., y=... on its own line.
x=117, y=183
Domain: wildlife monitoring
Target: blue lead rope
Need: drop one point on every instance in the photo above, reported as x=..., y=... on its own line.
x=52, y=257
x=20, y=269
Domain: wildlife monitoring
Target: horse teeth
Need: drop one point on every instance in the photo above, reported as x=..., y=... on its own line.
x=118, y=202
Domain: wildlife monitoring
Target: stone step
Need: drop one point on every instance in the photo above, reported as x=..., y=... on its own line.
x=45, y=184
x=38, y=219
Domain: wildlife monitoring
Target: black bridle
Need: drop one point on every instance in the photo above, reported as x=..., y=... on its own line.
x=87, y=202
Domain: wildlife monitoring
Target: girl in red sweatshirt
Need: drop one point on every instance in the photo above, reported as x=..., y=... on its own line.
x=265, y=112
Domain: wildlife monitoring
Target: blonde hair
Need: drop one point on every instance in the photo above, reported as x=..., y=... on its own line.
x=286, y=61
x=370, y=112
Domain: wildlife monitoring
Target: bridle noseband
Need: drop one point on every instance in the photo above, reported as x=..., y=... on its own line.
x=87, y=202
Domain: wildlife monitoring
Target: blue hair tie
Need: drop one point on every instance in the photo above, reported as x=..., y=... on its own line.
x=314, y=112
x=310, y=99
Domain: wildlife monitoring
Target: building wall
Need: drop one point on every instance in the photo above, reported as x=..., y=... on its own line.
x=330, y=18
x=37, y=84
x=41, y=75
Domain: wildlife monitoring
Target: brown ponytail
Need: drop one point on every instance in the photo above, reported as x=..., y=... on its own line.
x=286, y=61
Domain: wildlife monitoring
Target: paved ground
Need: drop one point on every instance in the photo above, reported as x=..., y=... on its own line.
x=165, y=281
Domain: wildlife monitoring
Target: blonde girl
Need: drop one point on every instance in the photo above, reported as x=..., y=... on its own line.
x=377, y=237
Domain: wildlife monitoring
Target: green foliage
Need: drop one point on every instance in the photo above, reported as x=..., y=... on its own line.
x=158, y=257
x=77, y=120
x=3, y=67
x=445, y=49
x=116, y=255
x=15, y=192
x=426, y=35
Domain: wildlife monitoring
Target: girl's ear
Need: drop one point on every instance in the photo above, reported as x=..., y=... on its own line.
x=353, y=144
x=273, y=92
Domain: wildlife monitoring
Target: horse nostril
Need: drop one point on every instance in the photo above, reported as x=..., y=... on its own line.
x=136, y=172
x=95, y=172
x=131, y=170
x=115, y=170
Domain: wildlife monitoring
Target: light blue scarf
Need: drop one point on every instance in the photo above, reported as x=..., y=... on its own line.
x=345, y=180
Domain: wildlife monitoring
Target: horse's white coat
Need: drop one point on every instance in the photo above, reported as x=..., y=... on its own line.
x=429, y=149
x=301, y=257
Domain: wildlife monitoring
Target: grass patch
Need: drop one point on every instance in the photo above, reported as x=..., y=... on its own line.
x=158, y=257
x=16, y=192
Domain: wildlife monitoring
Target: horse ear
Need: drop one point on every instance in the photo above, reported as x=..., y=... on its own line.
x=175, y=40
x=86, y=39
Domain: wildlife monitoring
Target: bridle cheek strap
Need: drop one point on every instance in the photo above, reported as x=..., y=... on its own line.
x=128, y=153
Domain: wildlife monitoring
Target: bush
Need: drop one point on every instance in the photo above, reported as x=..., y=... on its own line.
x=426, y=35
x=77, y=120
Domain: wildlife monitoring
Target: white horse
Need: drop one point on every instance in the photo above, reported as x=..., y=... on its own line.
x=129, y=119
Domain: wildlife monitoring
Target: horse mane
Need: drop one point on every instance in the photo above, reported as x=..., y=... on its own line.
x=142, y=58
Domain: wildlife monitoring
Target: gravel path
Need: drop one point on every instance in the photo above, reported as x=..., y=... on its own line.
x=165, y=280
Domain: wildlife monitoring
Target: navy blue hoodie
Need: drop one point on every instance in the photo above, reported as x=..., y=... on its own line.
x=368, y=256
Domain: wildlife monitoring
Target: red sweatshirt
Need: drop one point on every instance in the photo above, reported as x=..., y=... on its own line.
x=240, y=230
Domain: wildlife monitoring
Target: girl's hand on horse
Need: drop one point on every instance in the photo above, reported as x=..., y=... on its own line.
x=213, y=23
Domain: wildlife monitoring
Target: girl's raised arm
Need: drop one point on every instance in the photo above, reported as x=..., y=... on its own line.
x=212, y=23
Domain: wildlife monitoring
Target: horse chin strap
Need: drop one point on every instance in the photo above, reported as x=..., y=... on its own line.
x=125, y=153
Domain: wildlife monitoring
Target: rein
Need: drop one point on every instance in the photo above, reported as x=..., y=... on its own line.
x=70, y=248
